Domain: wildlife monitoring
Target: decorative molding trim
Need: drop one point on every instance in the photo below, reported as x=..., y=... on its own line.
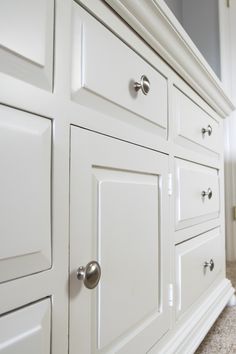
x=188, y=336
x=156, y=24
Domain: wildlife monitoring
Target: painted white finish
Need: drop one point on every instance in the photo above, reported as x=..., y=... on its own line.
x=189, y=120
x=193, y=279
x=190, y=181
x=26, y=330
x=154, y=21
x=227, y=17
x=26, y=41
x=137, y=164
x=118, y=70
x=25, y=189
x=123, y=226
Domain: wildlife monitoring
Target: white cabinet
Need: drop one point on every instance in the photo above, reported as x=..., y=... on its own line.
x=26, y=330
x=198, y=263
x=25, y=189
x=26, y=41
x=197, y=193
x=111, y=162
x=118, y=201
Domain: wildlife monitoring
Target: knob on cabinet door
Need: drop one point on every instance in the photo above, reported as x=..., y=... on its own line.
x=144, y=85
x=90, y=274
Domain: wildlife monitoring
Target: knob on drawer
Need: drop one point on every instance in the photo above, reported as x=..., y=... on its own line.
x=144, y=85
x=207, y=130
x=210, y=264
x=208, y=193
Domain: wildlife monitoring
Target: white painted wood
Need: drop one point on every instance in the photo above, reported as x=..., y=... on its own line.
x=119, y=69
x=189, y=120
x=154, y=21
x=25, y=188
x=192, y=277
x=122, y=225
x=190, y=181
x=26, y=41
x=26, y=330
x=21, y=88
x=189, y=334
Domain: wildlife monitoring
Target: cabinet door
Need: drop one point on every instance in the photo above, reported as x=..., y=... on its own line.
x=118, y=217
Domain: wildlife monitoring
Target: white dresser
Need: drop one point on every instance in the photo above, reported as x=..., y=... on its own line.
x=112, y=182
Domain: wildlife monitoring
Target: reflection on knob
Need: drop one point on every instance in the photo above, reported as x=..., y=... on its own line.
x=208, y=193
x=90, y=274
x=207, y=130
x=210, y=264
x=144, y=85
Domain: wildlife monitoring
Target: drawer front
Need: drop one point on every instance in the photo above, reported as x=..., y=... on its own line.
x=192, y=181
x=26, y=330
x=108, y=69
x=25, y=189
x=194, y=128
x=198, y=263
x=26, y=41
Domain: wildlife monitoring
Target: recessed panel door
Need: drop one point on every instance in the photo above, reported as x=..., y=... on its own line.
x=118, y=218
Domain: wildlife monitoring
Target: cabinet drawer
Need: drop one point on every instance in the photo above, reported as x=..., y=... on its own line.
x=26, y=330
x=192, y=181
x=25, y=189
x=105, y=68
x=193, y=275
x=194, y=128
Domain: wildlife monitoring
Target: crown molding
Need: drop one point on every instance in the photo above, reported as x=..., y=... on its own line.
x=156, y=24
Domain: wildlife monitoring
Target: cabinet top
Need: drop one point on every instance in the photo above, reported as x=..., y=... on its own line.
x=156, y=24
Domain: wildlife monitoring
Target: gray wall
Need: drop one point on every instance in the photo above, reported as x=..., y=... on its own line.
x=200, y=19
x=176, y=8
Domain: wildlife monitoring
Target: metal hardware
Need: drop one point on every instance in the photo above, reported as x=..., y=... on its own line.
x=170, y=189
x=90, y=274
x=209, y=193
x=207, y=130
x=171, y=295
x=210, y=264
x=144, y=85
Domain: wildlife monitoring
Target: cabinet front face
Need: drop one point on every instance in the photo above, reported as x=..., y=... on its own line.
x=26, y=40
x=25, y=189
x=118, y=198
x=26, y=330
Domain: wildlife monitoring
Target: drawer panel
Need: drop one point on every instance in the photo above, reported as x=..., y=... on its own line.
x=26, y=41
x=191, y=181
x=193, y=278
x=26, y=330
x=25, y=189
x=105, y=68
x=194, y=128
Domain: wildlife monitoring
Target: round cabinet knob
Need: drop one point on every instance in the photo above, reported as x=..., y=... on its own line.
x=210, y=264
x=144, y=85
x=208, y=193
x=207, y=130
x=90, y=274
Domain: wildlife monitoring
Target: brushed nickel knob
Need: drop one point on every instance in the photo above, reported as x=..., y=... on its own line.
x=207, y=130
x=210, y=264
x=208, y=193
x=90, y=274
x=144, y=85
